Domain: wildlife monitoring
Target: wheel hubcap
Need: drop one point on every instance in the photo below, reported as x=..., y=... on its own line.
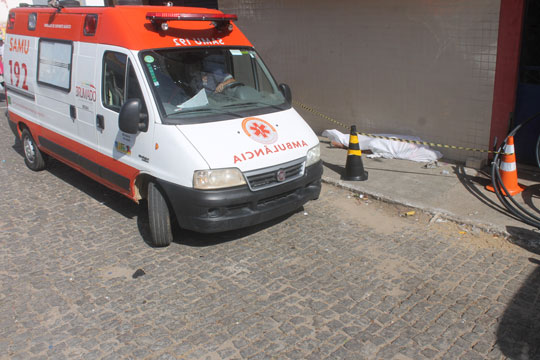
x=29, y=150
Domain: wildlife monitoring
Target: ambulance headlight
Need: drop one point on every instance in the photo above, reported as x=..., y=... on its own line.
x=216, y=179
x=313, y=155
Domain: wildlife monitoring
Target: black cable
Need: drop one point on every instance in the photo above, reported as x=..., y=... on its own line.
x=536, y=152
x=524, y=216
x=498, y=174
x=516, y=209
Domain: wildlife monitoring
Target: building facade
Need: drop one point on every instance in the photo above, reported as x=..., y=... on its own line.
x=450, y=72
x=446, y=71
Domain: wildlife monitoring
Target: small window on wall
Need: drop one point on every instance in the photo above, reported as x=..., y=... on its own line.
x=54, y=66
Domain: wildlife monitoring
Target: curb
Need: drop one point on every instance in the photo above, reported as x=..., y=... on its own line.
x=486, y=228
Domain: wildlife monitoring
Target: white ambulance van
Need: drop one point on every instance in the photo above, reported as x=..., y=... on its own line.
x=168, y=104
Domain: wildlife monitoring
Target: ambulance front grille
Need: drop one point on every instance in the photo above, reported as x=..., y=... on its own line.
x=268, y=177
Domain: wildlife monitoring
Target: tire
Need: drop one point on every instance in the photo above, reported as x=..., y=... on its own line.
x=33, y=157
x=159, y=216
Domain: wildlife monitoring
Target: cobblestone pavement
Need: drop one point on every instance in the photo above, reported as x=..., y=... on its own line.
x=313, y=285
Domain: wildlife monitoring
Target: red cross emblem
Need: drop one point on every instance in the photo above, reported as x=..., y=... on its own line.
x=259, y=130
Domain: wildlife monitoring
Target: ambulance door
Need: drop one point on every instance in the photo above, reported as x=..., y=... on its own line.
x=55, y=97
x=121, y=80
x=86, y=95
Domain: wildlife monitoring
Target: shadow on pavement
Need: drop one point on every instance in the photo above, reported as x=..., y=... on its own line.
x=528, y=172
x=191, y=238
x=474, y=185
x=101, y=193
x=338, y=169
x=195, y=239
x=530, y=193
x=518, y=333
x=130, y=209
x=527, y=239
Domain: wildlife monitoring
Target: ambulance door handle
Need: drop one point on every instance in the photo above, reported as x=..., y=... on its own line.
x=100, y=122
x=72, y=112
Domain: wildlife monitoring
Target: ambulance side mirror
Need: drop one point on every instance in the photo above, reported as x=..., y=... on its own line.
x=131, y=119
x=286, y=91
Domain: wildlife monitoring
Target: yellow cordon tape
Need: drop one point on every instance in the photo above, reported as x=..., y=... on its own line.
x=313, y=111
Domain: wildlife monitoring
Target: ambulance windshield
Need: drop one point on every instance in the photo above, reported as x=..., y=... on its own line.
x=200, y=85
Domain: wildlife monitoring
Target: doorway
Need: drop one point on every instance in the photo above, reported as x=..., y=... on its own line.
x=528, y=89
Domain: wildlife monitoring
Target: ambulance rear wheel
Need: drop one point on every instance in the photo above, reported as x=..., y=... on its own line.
x=159, y=216
x=33, y=157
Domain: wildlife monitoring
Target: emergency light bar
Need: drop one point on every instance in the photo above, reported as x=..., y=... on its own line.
x=219, y=20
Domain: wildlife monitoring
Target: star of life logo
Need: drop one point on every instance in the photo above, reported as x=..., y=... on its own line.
x=259, y=130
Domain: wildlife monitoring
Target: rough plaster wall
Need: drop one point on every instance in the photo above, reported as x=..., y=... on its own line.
x=415, y=67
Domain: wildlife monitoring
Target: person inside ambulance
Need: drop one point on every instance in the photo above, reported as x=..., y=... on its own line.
x=170, y=91
x=179, y=81
x=208, y=73
x=215, y=77
x=193, y=84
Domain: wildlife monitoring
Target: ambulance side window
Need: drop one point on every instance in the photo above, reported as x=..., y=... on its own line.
x=249, y=72
x=54, y=64
x=244, y=71
x=114, y=80
x=262, y=79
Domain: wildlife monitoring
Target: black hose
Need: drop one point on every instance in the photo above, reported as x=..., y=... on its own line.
x=536, y=152
x=515, y=208
x=525, y=215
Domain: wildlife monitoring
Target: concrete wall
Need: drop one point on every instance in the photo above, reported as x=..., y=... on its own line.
x=415, y=67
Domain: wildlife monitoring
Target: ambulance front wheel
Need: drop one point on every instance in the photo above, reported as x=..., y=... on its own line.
x=33, y=157
x=159, y=216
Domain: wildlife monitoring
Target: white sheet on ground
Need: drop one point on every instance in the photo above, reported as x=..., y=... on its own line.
x=388, y=149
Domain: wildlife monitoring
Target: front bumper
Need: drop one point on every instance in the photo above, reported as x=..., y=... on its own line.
x=210, y=211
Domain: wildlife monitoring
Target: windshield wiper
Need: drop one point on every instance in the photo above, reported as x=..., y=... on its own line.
x=214, y=111
x=189, y=111
x=254, y=103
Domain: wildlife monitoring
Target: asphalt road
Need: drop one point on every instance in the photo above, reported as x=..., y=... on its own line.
x=313, y=285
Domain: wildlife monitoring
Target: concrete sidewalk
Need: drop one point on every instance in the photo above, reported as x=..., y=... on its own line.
x=450, y=190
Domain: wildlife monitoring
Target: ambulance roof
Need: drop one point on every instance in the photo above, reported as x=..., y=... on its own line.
x=126, y=26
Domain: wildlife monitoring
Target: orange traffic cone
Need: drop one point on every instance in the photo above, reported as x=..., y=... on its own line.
x=508, y=171
x=354, y=167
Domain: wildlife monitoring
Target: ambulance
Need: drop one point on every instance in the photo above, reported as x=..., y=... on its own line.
x=170, y=105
